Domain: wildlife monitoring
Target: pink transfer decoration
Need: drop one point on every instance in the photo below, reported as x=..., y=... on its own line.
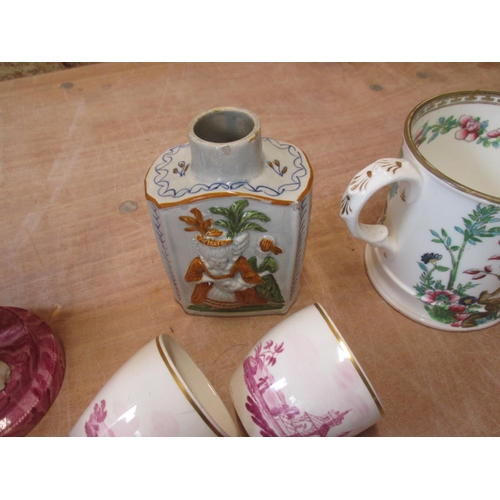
x=268, y=404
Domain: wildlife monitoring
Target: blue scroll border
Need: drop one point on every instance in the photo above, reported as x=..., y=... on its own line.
x=166, y=189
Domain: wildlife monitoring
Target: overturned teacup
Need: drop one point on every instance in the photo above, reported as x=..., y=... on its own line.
x=301, y=379
x=434, y=254
x=158, y=392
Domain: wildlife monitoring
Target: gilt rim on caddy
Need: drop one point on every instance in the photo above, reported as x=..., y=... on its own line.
x=352, y=358
x=185, y=390
x=444, y=100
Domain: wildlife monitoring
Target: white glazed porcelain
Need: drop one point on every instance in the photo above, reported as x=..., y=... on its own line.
x=158, y=392
x=301, y=379
x=434, y=254
x=230, y=212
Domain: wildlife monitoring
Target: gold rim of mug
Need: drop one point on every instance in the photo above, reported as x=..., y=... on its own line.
x=184, y=390
x=487, y=98
x=352, y=358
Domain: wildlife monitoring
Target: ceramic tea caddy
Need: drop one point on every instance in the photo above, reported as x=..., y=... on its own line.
x=230, y=212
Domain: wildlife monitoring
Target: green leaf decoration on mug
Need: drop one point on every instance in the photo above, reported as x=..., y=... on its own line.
x=451, y=303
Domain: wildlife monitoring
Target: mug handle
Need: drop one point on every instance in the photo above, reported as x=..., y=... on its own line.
x=364, y=185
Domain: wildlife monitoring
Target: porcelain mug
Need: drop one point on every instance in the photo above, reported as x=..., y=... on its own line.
x=434, y=253
x=301, y=379
x=158, y=392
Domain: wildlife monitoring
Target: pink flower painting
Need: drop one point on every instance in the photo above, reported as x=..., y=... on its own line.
x=469, y=130
x=433, y=296
x=95, y=426
x=494, y=134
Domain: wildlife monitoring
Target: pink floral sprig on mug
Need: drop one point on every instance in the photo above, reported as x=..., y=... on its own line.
x=479, y=274
x=95, y=426
x=471, y=129
x=268, y=354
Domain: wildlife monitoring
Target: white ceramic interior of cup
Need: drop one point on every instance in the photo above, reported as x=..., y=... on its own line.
x=198, y=389
x=465, y=161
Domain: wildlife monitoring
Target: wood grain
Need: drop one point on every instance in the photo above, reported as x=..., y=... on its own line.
x=76, y=144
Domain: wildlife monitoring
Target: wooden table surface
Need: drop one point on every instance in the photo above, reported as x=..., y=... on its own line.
x=76, y=144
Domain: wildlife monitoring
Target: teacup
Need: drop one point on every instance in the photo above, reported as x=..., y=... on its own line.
x=301, y=379
x=434, y=253
x=158, y=392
